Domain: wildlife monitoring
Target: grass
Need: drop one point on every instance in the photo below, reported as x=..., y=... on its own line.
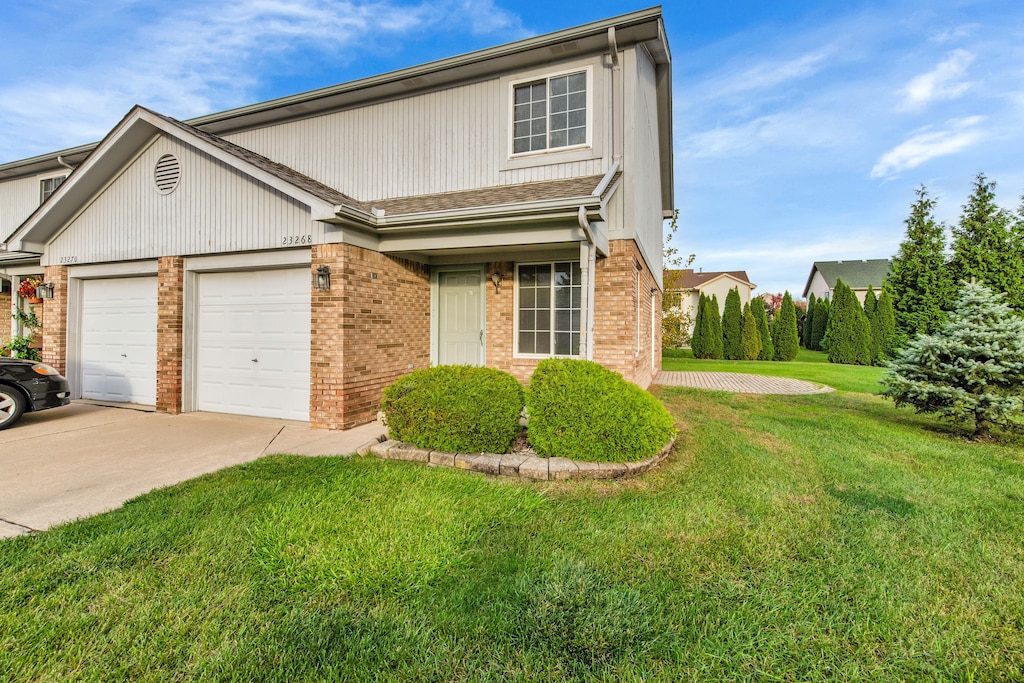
x=812, y=366
x=826, y=537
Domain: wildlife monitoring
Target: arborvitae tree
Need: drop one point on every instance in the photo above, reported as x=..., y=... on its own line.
x=767, y=347
x=883, y=330
x=1015, y=261
x=821, y=311
x=732, y=326
x=870, y=303
x=697, y=343
x=848, y=332
x=982, y=241
x=716, y=347
x=919, y=281
x=805, y=339
x=784, y=335
x=750, y=339
x=971, y=370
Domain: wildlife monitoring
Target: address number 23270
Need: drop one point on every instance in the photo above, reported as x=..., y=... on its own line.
x=296, y=240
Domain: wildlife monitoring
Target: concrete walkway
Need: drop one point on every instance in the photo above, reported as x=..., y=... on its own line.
x=739, y=383
x=66, y=463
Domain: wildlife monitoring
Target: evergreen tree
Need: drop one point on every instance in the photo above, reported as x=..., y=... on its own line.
x=767, y=347
x=750, y=338
x=716, y=348
x=919, y=281
x=870, y=303
x=982, y=241
x=805, y=339
x=821, y=311
x=732, y=326
x=848, y=331
x=972, y=370
x=697, y=344
x=1015, y=261
x=784, y=335
x=883, y=329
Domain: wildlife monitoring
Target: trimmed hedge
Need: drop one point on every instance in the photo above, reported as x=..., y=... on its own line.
x=581, y=410
x=455, y=408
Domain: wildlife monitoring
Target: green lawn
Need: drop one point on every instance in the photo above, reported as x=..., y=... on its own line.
x=825, y=537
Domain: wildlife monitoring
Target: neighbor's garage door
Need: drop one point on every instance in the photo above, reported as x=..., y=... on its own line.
x=252, y=339
x=119, y=340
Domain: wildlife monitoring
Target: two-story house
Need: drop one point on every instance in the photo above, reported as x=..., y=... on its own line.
x=292, y=258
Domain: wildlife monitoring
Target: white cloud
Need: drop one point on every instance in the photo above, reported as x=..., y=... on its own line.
x=796, y=129
x=194, y=59
x=927, y=144
x=950, y=35
x=768, y=74
x=944, y=82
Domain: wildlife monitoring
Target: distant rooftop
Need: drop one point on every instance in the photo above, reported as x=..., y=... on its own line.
x=855, y=274
x=688, y=279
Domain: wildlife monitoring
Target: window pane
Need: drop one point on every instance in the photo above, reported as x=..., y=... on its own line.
x=521, y=145
x=522, y=112
x=559, y=122
x=543, y=320
x=527, y=297
x=544, y=298
x=538, y=142
x=563, y=320
x=563, y=298
x=577, y=136
x=574, y=346
x=577, y=118
x=527, y=320
x=539, y=92
x=576, y=297
x=526, y=344
x=577, y=82
x=544, y=275
x=527, y=275
x=563, y=343
x=521, y=129
x=522, y=94
x=539, y=109
x=559, y=85
x=538, y=127
x=559, y=104
x=559, y=138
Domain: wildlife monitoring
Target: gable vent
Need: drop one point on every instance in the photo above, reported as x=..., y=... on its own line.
x=168, y=173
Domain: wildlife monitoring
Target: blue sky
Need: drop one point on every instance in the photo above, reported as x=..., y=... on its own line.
x=801, y=128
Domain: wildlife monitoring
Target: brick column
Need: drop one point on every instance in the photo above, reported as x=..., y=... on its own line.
x=170, y=313
x=53, y=314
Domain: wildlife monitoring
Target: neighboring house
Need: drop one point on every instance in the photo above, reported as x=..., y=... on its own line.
x=857, y=275
x=688, y=285
x=292, y=258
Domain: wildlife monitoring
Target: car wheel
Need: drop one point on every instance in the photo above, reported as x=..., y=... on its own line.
x=12, y=406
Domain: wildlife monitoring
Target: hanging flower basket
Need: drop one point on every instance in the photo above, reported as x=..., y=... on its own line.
x=27, y=289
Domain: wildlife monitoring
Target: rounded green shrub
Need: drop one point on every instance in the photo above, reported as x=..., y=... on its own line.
x=581, y=410
x=455, y=408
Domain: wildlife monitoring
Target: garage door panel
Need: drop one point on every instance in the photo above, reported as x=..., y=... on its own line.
x=253, y=343
x=118, y=339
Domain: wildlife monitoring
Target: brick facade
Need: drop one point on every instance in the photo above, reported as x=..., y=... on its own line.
x=5, y=310
x=370, y=328
x=53, y=314
x=169, y=317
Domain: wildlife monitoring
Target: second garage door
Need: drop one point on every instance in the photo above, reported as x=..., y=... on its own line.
x=252, y=343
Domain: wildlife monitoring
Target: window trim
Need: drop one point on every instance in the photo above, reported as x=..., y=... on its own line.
x=42, y=180
x=588, y=72
x=515, y=311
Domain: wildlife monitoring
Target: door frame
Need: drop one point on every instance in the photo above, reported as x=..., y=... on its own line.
x=435, y=307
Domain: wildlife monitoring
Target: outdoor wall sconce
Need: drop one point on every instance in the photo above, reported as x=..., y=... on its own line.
x=497, y=279
x=322, y=278
x=44, y=290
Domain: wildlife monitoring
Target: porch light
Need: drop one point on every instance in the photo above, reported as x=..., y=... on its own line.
x=322, y=278
x=44, y=290
x=497, y=279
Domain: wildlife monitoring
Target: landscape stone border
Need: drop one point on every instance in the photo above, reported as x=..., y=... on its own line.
x=521, y=465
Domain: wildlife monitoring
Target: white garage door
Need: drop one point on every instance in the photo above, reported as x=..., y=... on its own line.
x=252, y=355
x=119, y=340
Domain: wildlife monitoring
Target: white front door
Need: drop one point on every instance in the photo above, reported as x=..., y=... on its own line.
x=118, y=340
x=460, y=318
x=252, y=343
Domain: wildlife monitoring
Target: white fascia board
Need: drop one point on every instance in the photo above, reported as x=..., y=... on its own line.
x=519, y=236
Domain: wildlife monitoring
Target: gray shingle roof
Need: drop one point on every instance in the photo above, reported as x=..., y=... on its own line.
x=855, y=274
x=687, y=279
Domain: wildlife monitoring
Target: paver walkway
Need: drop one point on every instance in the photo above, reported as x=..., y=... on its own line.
x=739, y=383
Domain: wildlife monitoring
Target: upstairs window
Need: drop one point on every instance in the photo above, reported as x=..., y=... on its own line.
x=550, y=113
x=48, y=186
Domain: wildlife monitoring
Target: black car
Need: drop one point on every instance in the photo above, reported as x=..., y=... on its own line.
x=26, y=387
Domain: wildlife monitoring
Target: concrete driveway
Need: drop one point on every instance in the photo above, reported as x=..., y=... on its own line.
x=72, y=462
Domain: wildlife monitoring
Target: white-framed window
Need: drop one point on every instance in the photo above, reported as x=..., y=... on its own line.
x=552, y=112
x=548, y=310
x=48, y=186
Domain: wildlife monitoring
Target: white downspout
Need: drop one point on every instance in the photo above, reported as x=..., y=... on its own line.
x=588, y=265
x=616, y=97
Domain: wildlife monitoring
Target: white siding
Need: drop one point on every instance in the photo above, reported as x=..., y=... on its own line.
x=18, y=199
x=441, y=141
x=643, y=186
x=214, y=209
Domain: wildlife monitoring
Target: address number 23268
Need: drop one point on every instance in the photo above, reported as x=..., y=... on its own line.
x=296, y=240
